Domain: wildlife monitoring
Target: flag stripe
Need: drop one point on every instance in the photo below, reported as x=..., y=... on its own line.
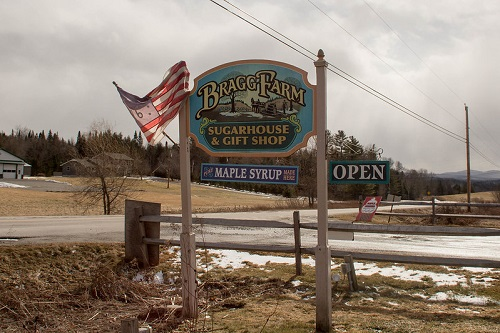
x=178, y=70
x=167, y=99
x=173, y=100
x=170, y=90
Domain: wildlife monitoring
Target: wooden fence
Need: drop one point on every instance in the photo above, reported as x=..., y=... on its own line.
x=434, y=204
x=142, y=237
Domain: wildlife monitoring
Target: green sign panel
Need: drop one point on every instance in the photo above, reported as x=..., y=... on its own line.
x=359, y=172
x=252, y=108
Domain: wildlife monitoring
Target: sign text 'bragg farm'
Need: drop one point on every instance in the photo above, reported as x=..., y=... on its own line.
x=263, y=82
x=252, y=108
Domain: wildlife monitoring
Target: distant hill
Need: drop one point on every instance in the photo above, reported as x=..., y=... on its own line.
x=492, y=175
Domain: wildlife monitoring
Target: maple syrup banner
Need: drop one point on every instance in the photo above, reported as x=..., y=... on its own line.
x=252, y=108
x=270, y=174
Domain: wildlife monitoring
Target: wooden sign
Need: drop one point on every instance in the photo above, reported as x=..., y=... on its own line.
x=252, y=108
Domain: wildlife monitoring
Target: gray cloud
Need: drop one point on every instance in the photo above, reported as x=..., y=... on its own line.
x=59, y=58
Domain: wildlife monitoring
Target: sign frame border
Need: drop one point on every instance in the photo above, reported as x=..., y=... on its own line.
x=287, y=153
x=332, y=181
x=296, y=168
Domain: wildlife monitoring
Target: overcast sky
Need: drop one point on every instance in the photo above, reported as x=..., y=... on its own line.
x=59, y=59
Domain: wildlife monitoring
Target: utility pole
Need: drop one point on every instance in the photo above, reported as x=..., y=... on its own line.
x=467, y=143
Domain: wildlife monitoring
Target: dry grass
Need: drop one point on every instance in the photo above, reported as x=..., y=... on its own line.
x=25, y=202
x=88, y=288
x=475, y=197
x=36, y=202
x=482, y=197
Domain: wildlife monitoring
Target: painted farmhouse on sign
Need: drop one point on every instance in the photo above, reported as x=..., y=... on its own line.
x=11, y=166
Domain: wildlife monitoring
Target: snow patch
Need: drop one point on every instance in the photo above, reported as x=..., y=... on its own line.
x=9, y=185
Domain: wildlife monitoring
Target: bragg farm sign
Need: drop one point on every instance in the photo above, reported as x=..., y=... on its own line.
x=252, y=108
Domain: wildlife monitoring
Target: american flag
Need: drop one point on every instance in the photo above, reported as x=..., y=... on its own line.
x=157, y=109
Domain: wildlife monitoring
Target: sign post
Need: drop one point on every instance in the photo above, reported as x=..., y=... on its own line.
x=323, y=253
x=262, y=108
x=187, y=238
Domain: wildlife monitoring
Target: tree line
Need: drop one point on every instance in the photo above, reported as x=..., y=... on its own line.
x=47, y=151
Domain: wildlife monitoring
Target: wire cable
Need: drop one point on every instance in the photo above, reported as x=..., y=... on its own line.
x=385, y=62
x=412, y=51
x=433, y=73
x=306, y=53
x=342, y=73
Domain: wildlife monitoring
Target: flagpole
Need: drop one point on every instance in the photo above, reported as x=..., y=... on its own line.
x=168, y=137
x=187, y=237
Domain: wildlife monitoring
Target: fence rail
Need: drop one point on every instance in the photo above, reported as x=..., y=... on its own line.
x=142, y=237
x=434, y=204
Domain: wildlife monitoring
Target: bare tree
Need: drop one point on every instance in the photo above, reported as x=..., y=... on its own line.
x=234, y=93
x=106, y=170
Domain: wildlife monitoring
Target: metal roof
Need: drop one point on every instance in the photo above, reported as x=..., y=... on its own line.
x=8, y=158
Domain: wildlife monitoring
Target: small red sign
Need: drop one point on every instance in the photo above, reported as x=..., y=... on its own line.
x=368, y=209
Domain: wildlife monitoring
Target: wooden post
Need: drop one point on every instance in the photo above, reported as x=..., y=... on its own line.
x=322, y=253
x=390, y=198
x=135, y=231
x=152, y=230
x=351, y=273
x=298, y=244
x=130, y=325
x=467, y=143
x=433, y=209
x=187, y=238
x=141, y=249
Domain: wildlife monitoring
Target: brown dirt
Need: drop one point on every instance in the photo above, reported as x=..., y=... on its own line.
x=88, y=288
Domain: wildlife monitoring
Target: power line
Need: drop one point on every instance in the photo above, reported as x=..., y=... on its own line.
x=342, y=73
x=383, y=61
x=483, y=155
x=305, y=52
x=433, y=72
x=255, y=26
x=487, y=132
x=414, y=53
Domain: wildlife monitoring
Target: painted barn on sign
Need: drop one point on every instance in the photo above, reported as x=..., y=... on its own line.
x=11, y=166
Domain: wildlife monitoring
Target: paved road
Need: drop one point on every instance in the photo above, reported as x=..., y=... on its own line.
x=33, y=230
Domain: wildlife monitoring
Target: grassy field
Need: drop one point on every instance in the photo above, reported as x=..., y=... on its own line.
x=39, y=202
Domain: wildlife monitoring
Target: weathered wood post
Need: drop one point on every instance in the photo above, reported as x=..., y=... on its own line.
x=135, y=231
x=298, y=243
x=322, y=253
x=433, y=210
x=129, y=325
x=351, y=273
x=187, y=239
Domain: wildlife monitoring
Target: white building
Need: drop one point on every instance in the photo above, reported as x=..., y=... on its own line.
x=11, y=167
